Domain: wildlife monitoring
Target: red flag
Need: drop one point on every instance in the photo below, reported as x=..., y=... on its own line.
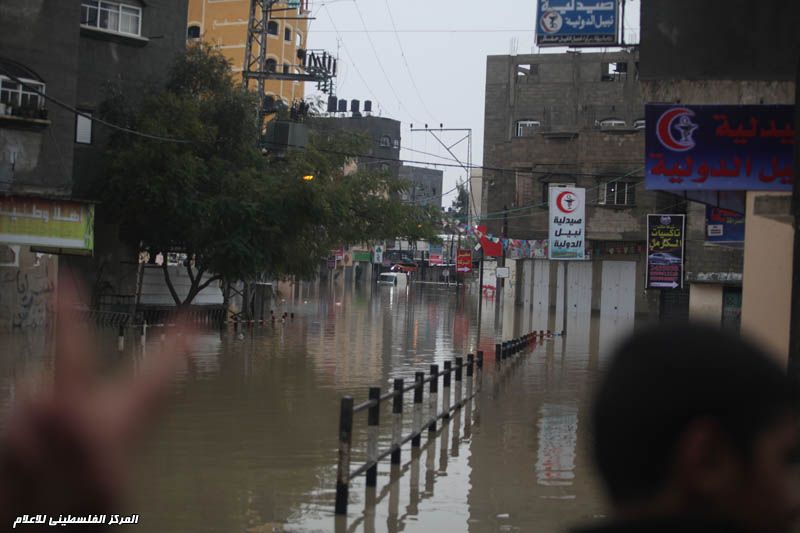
x=490, y=249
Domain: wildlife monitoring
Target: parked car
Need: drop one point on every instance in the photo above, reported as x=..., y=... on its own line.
x=395, y=279
x=406, y=267
x=663, y=258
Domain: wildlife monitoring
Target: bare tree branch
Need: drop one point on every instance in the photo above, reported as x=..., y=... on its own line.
x=167, y=279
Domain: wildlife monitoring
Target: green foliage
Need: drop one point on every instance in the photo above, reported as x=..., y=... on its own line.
x=460, y=206
x=236, y=212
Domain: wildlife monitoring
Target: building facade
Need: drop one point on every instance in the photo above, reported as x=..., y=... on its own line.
x=425, y=185
x=683, y=62
x=76, y=52
x=224, y=24
x=572, y=119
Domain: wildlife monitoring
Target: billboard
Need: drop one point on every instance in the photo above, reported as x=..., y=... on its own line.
x=567, y=223
x=719, y=147
x=665, y=251
x=43, y=223
x=576, y=23
x=724, y=226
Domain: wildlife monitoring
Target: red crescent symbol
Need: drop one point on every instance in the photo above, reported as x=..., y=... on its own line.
x=559, y=198
x=664, y=129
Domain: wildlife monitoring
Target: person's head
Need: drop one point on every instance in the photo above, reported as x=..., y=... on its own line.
x=690, y=420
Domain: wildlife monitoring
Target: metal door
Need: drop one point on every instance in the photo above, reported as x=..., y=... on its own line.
x=579, y=283
x=541, y=294
x=618, y=290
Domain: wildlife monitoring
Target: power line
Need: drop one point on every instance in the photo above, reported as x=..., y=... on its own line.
x=405, y=61
x=350, y=57
x=91, y=117
x=380, y=63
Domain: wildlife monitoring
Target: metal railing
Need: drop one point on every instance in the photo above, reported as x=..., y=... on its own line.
x=453, y=371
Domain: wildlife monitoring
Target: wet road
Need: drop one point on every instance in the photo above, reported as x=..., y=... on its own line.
x=251, y=440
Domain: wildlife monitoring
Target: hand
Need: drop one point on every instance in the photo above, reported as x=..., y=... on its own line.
x=66, y=449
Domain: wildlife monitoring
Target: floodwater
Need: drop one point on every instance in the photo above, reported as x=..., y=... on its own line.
x=250, y=441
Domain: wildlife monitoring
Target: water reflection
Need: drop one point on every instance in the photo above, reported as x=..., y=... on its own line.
x=251, y=442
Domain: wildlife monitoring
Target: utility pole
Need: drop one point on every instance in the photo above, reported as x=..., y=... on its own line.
x=794, y=320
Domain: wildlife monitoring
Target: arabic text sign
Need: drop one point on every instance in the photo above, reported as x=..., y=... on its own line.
x=464, y=261
x=665, y=251
x=719, y=148
x=64, y=520
x=723, y=225
x=576, y=23
x=47, y=223
x=567, y=223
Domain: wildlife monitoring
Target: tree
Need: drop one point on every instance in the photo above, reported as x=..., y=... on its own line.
x=460, y=206
x=233, y=211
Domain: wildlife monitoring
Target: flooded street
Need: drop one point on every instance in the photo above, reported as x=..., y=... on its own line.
x=250, y=443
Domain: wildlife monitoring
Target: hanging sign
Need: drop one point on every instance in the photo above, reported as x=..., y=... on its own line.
x=567, y=223
x=464, y=261
x=665, y=251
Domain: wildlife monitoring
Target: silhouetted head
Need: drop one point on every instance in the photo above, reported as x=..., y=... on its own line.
x=692, y=421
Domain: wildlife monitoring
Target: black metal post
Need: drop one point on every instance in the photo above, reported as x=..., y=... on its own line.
x=459, y=367
x=434, y=391
x=448, y=371
x=373, y=420
x=470, y=363
x=343, y=469
x=419, y=377
x=397, y=412
x=480, y=359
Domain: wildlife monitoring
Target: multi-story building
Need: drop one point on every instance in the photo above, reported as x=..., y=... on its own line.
x=572, y=119
x=425, y=185
x=749, y=58
x=224, y=24
x=58, y=60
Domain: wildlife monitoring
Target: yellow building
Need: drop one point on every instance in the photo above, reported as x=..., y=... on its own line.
x=224, y=24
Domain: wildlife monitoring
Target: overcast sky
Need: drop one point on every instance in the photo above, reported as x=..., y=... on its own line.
x=445, y=43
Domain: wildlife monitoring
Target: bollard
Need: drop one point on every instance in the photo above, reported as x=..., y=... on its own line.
x=446, y=390
x=498, y=353
x=419, y=377
x=470, y=363
x=480, y=359
x=343, y=469
x=397, y=420
x=459, y=374
x=433, y=400
x=121, y=339
x=373, y=419
x=144, y=333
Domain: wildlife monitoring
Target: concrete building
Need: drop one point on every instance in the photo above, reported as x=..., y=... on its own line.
x=425, y=185
x=573, y=119
x=478, y=198
x=748, y=56
x=75, y=52
x=224, y=24
x=382, y=134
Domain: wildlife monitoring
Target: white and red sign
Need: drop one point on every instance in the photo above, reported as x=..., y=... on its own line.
x=464, y=261
x=567, y=223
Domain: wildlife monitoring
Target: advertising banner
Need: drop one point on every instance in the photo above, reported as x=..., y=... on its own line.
x=576, y=23
x=362, y=256
x=567, y=223
x=43, y=223
x=719, y=147
x=464, y=262
x=665, y=234
x=724, y=226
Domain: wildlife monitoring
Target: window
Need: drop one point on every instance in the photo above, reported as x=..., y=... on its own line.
x=638, y=124
x=611, y=123
x=298, y=39
x=286, y=68
x=614, y=71
x=287, y=34
x=22, y=95
x=617, y=193
x=546, y=190
x=272, y=27
x=526, y=128
x=386, y=141
x=193, y=32
x=111, y=16
x=83, y=128
x=272, y=65
x=527, y=70
x=396, y=144
x=524, y=189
